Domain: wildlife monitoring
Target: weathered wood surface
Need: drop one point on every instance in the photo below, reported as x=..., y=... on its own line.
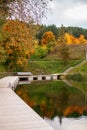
x=15, y=114
x=9, y=81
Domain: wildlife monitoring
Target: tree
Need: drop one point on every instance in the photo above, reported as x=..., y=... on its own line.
x=4, y=8
x=63, y=47
x=17, y=36
x=73, y=40
x=43, y=28
x=40, y=32
x=76, y=31
x=82, y=40
x=2, y=39
x=48, y=39
x=18, y=45
x=24, y=10
x=53, y=29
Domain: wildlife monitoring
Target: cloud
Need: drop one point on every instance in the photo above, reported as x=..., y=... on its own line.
x=80, y=1
x=77, y=14
x=69, y=13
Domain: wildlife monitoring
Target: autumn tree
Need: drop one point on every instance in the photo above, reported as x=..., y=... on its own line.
x=48, y=39
x=63, y=47
x=18, y=45
x=73, y=40
x=82, y=39
x=53, y=29
x=43, y=28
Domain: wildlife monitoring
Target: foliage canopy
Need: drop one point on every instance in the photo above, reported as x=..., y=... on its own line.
x=18, y=45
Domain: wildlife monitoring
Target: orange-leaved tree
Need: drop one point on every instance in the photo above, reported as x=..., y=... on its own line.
x=18, y=45
x=48, y=39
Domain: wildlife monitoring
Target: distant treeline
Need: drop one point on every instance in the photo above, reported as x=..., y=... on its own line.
x=75, y=31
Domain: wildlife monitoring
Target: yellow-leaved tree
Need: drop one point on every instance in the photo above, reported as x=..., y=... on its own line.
x=18, y=45
x=73, y=40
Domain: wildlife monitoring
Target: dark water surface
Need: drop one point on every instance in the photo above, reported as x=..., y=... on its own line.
x=62, y=106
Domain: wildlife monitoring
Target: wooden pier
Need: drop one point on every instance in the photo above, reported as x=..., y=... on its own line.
x=15, y=114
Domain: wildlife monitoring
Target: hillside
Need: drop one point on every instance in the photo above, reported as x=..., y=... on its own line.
x=76, y=52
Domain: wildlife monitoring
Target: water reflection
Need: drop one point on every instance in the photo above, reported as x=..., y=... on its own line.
x=68, y=124
x=64, y=107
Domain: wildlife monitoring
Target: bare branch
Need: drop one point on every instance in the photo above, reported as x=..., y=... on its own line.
x=25, y=10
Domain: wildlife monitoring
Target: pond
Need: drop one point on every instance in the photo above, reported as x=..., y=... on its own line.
x=62, y=106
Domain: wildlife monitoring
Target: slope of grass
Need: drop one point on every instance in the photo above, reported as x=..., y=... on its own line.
x=51, y=66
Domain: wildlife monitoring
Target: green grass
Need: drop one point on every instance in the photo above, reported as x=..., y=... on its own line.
x=46, y=66
x=2, y=68
x=82, y=84
x=50, y=66
x=80, y=69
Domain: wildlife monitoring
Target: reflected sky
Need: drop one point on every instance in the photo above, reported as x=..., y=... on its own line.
x=68, y=123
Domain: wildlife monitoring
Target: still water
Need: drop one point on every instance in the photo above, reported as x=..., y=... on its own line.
x=69, y=124
x=62, y=106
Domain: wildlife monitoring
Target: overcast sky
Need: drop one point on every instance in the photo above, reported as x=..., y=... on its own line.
x=68, y=13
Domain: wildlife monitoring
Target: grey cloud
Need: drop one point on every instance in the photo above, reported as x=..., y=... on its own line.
x=59, y=14
x=81, y=1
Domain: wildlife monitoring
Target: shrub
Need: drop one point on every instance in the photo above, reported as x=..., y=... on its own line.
x=40, y=52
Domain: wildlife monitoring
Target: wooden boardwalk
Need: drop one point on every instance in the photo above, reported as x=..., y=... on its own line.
x=9, y=82
x=15, y=114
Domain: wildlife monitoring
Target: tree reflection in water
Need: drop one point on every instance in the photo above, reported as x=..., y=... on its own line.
x=54, y=98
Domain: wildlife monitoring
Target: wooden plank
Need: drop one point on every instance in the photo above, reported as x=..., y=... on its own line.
x=9, y=81
x=15, y=114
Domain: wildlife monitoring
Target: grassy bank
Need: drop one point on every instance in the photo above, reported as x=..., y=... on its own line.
x=44, y=66
x=50, y=66
x=82, y=72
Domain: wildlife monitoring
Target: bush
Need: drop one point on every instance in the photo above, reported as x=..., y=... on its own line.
x=40, y=52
